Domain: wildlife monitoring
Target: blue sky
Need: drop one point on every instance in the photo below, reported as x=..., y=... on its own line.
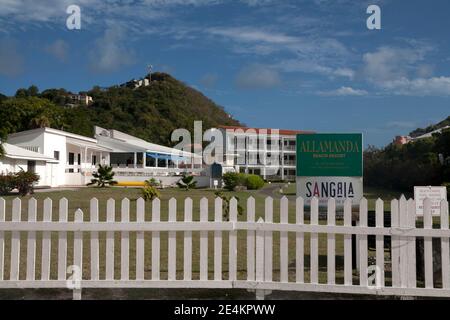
x=291, y=64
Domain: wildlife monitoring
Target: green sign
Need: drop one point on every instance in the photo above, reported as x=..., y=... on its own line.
x=329, y=155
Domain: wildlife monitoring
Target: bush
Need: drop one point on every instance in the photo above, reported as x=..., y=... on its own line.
x=103, y=177
x=7, y=183
x=24, y=182
x=153, y=182
x=149, y=193
x=254, y=182
x=231, y=180
x=187, y=182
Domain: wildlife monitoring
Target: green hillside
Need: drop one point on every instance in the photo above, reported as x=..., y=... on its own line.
x=421, y=131
x=151, y=112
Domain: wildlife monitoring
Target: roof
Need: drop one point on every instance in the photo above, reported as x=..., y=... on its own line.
x=121, y=142
x=15, y=152
x=54, y=131
x=90, y=145
x=283, y=132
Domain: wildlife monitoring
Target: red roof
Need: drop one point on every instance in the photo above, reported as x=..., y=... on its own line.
x=268, y=131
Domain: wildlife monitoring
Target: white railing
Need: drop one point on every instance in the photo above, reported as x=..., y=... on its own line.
x=260, y=254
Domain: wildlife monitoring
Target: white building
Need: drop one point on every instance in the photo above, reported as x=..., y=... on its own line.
x=69, y=159
x=134, y=159
x=76, y=156
x=270, y=153
x=17, y=158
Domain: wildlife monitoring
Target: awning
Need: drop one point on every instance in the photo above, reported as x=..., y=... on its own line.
x=161, y=156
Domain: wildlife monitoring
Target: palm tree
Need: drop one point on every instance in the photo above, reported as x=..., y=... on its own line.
x=103, y=177
x=187, y=182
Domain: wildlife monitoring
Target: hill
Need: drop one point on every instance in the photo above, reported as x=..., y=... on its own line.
x=421, y=131
x=150, y=112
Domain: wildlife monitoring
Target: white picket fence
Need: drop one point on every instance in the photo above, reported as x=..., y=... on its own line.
x=257, y=248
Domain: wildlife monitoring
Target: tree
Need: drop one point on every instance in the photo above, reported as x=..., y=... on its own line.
x=103, y=177
x=187, y=182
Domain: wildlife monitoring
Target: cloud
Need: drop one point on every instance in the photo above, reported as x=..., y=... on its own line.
x=257, y=77
x=308, y=66
x=208, y=80
x=110, y=52
x=388, y=63
x=435, y=86
x=58, y=49
x=401, y=124
x=403, y=71
x=343, y=92
x=11, y=61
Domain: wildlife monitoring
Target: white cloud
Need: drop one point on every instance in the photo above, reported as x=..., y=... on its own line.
x=435, y=86
x=343, y=92
x=404, y=71
x=110, y=52
x=59, y=49
x=257, y=77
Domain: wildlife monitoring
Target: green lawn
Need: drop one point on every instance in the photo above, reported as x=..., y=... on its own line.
x=80, y=199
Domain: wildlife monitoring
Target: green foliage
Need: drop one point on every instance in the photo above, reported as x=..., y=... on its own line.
x=103, y=177
x=187, y=182
x=421, y=131
x=232, y=180
x=400, y=167
x=24, y=182
x=254, y=182
x=19, y=114
x=226, y=205
x=7, y=183
x=149, y=193
x=150, y=113
x=153, y=182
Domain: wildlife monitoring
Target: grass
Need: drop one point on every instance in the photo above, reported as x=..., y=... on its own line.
x=80, y=199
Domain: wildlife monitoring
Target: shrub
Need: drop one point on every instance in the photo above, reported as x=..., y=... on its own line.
x=153, y=182
x=254, y=182
x=103, y=177
x=187, y=182
x=7, y=183
x=231, y=180
x=24, y=182
x=149, y=193
x=226, y=205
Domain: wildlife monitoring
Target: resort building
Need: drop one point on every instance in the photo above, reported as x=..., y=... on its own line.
x=270, y=153
x=66, y=159
x=76, y=156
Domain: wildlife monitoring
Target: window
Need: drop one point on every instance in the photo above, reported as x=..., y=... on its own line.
x=56, y=155
x=79, y=159
x=94, y=160
x=71, y=158
x=31, y=165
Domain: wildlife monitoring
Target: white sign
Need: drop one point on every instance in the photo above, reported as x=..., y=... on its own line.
x=435, y=194
x=323, y=188
x=216, y=183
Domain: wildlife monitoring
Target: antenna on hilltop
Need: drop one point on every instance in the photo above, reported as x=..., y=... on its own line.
x=150, y=69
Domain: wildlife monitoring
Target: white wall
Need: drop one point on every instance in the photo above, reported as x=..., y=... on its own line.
x=14, y=165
